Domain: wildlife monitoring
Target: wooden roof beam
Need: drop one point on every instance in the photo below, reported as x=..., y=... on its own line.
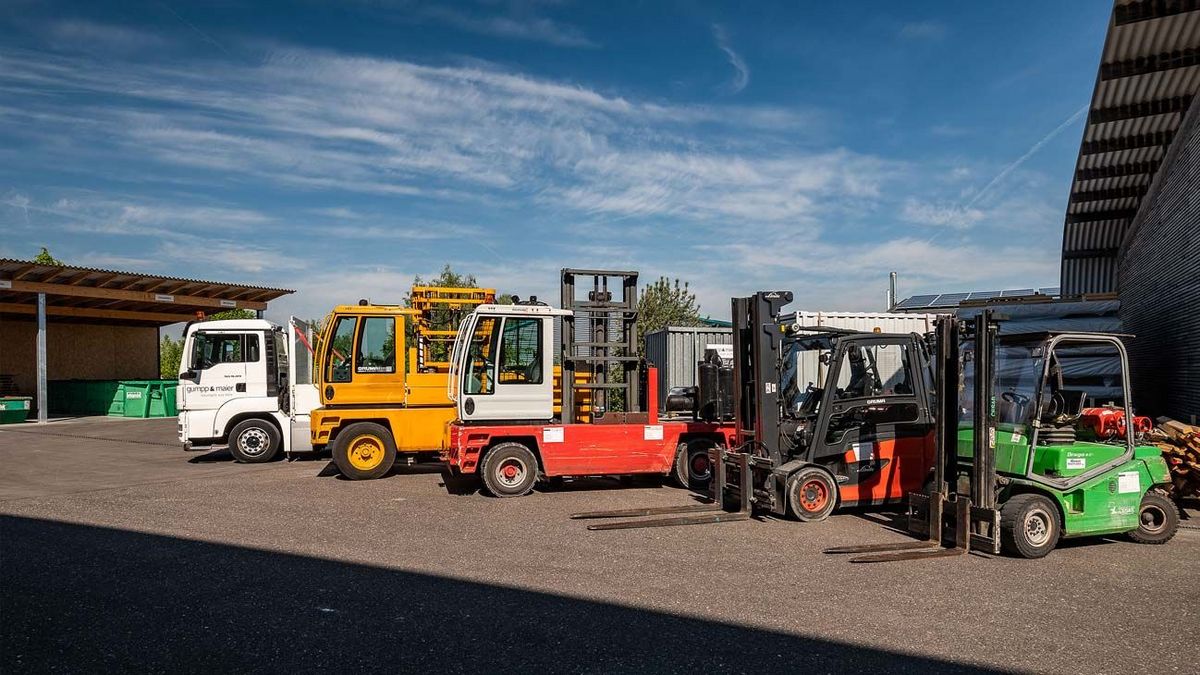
x=92, y=313
x=133, y=296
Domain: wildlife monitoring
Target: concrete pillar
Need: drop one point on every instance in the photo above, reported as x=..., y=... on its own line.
x=43, y=403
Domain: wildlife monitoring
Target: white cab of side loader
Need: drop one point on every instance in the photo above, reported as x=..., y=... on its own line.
x=247, y=384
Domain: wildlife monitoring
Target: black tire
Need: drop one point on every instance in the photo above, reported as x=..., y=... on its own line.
x=509, y=470
x=1030, y=526
x=1158, y=519
x=254, y=441
x=693, y=466
x=812, y=494
x=364, y=450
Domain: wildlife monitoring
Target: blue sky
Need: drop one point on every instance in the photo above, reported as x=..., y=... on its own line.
x=339, y=148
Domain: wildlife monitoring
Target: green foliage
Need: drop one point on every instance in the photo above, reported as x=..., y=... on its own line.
x=170, y=354
x=170, y=351
x=232, y=314
x=663, y=304
x=44, y=258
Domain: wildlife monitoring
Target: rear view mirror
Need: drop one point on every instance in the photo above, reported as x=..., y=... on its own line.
x=189, y=375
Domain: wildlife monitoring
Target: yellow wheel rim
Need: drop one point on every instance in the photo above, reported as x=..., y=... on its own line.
x=365, y=452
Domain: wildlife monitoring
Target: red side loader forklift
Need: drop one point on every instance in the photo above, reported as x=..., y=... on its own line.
x=530, y=406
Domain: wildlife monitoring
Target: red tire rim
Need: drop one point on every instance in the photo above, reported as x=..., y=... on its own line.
x=511, y=472
x=814, y=495
x=701, y=467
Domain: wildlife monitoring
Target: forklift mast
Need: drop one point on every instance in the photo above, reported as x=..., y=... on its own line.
x=756, y=349
x=598, y=342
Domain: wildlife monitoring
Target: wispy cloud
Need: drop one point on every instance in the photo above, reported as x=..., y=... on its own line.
x=84, y=34
x=741, y=72
x=523, y=26
x=948, y=215
x=319, y=121
x=923, y=30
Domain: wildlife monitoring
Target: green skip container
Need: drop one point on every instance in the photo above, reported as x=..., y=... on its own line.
x=14, y=409
x=137, y=397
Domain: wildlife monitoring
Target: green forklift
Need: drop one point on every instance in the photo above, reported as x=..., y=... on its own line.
x=1014, y=470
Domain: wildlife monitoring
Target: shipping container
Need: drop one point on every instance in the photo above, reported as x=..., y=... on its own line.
x=677, y=350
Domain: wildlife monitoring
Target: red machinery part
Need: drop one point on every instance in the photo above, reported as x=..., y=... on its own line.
x=1109, y=422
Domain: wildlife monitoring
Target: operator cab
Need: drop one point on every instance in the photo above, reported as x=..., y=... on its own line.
x=502, y=364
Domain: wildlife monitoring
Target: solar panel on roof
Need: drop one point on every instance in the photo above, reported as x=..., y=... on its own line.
x=1016, y=292
x=916, y=301
x=947, y=299
x=983, y=295
x=1054, y=290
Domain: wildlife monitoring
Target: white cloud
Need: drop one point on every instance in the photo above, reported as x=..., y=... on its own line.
x=527, y=27
x=944, y=215
x=319, y=121
x=741, y=72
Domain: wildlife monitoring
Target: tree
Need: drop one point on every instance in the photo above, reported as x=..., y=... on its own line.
x=663, y=304
x=170, y=354
x=445, y=319
x=170, y=351
x=44, y=258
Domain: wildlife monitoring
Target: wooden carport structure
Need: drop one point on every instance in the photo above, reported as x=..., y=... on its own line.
x=103, y=314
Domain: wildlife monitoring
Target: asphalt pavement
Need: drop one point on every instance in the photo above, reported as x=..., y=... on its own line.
x=118, y=551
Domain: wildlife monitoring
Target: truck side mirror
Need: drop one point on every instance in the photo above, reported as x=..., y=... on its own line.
x=189, y=375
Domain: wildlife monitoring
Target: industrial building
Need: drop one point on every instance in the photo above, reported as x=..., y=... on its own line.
x=1131, y=233
x=60, y=322
x=1133, y=219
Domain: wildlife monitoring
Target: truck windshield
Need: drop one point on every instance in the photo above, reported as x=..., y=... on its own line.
x=210, y=349
x=1018, y=369
x=802, y=376
x=478, y=377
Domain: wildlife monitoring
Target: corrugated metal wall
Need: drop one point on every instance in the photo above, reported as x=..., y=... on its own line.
x=1160, y=283
x=676, y=351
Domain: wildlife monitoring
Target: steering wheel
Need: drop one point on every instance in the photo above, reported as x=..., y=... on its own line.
x=1015, y=398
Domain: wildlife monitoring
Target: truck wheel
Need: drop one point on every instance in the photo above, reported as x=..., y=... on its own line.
x=254, y=441
x=1029, y=526
x=693, y=468
x=364, y=451
x=811, y=494
x=509, y=470
x=1158, y=520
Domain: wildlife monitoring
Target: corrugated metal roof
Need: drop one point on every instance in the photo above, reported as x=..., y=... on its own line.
x=1148, y=77
x=95, y=294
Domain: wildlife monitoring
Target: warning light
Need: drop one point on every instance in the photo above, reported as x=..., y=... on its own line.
x=877, y=330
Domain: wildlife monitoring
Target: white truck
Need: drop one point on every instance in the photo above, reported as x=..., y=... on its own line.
x=247, y=384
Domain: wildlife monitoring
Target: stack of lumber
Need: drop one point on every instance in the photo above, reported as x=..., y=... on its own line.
x=1180, y=444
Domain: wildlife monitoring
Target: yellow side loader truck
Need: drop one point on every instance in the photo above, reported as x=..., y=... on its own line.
x=381, y=374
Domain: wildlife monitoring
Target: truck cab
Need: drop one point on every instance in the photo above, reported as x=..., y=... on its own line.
x=246, y=384
x=502, y=366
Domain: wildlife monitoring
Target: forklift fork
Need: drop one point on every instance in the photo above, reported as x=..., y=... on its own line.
x=713, y=511
x=974, y=523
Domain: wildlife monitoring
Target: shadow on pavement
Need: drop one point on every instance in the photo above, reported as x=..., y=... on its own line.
x=83, y=598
